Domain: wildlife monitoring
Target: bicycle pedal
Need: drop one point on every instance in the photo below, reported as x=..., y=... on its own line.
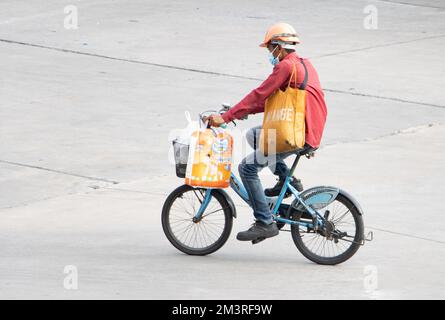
x=258, y=240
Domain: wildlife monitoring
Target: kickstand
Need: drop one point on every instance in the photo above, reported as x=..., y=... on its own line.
x=369, y=237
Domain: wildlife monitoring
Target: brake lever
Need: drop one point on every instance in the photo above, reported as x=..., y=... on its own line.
x=226, y=107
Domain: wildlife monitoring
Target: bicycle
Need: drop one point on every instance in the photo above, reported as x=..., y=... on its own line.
x=204, y=223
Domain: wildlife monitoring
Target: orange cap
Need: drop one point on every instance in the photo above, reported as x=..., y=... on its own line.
x=280, y=31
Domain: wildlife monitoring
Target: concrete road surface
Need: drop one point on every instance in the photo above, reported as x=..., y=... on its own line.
x=86, y=113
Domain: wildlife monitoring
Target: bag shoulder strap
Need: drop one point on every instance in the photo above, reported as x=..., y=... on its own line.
x=304, y=83
x=294, y=72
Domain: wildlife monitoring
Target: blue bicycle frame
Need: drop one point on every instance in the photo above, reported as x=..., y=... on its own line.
x=238, y=187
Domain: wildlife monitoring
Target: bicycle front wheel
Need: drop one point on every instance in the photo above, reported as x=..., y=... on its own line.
x=201, y=237
x=338, y=240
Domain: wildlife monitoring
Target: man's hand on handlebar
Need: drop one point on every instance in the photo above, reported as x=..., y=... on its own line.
x=215, y=120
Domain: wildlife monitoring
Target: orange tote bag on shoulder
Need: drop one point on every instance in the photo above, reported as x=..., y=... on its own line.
x=284, y=118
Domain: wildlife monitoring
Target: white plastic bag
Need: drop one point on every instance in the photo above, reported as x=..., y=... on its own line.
x=183, y=135
x=180, y=142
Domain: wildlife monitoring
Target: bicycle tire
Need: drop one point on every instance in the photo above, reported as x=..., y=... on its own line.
x=228, y=222
x=355, y=244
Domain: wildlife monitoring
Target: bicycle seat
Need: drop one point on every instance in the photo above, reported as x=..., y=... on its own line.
x=307, y=151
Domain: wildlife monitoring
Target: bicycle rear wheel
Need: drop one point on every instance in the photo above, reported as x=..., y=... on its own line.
x=338, y=241
x=196, y=237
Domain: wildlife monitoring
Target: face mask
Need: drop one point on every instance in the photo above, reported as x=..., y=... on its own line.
x=273, y=60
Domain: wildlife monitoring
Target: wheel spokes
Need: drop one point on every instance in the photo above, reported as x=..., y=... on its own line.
x=203, y=233
x=328, y=243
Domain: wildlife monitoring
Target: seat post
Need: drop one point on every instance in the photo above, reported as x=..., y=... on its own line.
x=291, y=172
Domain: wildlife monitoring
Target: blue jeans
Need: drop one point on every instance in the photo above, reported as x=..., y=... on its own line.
x=248, y=170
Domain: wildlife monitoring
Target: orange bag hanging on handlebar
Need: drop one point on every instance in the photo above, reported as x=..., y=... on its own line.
x=210, y=159
x=284, y=126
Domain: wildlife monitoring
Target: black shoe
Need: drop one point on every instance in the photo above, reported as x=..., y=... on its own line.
x=258, y=230
x=275, y=191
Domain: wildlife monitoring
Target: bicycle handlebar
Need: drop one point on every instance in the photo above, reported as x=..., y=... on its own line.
x=225, y=107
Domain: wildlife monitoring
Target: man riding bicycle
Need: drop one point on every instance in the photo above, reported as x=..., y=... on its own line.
x=280, y=40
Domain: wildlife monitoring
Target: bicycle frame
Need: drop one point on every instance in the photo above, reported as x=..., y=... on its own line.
x=239, y=188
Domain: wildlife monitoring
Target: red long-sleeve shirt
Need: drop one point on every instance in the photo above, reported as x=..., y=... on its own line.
x=316, y=110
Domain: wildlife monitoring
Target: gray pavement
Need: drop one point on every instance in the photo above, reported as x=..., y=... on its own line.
x=85, y=117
